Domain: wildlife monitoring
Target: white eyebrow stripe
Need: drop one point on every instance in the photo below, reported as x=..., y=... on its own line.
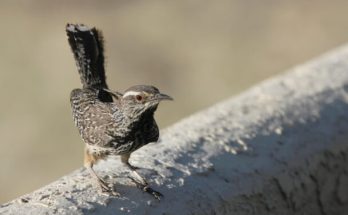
x=131, y=93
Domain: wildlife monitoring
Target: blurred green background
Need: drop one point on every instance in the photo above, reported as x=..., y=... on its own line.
x=198, y=51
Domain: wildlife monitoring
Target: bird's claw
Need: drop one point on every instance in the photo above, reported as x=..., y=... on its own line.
x=106, y=189
x=146, y=188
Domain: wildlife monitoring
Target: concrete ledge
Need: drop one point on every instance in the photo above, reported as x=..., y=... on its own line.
x=279, y=148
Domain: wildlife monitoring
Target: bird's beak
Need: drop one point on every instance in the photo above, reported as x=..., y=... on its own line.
x=162, y=96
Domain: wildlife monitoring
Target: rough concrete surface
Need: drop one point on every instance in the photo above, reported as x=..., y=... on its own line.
x=279, y=148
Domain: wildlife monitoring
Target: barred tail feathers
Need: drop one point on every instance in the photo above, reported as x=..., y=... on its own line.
x=88, y=49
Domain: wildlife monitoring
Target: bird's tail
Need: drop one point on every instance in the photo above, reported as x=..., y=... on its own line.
x=87, y=45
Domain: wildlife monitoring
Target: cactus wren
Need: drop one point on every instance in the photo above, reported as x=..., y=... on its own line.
x=109, y=122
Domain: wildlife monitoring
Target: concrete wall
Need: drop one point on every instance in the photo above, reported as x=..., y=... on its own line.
x=279, y=148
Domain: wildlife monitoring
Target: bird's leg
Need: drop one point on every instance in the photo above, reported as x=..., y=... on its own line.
x=125, y=160
x=89, y=161
x=103, y=185
x=143, y=185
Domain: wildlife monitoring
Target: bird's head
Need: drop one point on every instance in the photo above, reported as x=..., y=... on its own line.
x=141, y=99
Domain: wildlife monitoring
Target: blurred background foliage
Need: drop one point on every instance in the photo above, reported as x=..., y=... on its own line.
x=198, y=51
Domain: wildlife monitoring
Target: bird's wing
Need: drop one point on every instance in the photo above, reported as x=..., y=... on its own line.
x=97, y=124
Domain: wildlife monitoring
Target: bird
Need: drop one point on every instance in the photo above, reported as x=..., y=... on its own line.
x=109, y=122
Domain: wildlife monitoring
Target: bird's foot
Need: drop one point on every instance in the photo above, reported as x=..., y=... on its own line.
x=146, y=188
x=106, y=189
x=132, y=166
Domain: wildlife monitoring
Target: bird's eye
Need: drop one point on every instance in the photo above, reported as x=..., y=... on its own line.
x=138, y=98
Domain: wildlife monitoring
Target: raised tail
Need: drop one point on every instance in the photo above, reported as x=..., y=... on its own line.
x=88, y=48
